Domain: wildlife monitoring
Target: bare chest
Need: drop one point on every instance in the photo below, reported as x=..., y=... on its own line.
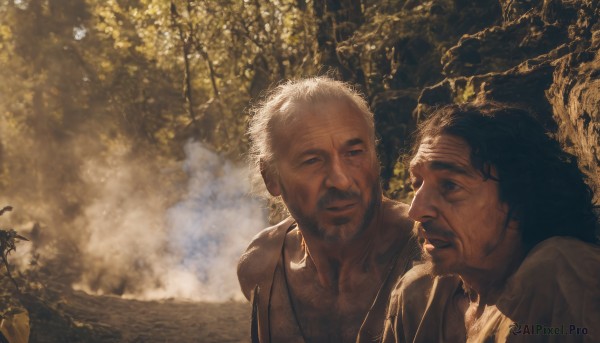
x=327, y=314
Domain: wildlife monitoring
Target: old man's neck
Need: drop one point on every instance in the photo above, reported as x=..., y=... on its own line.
x=333, y=259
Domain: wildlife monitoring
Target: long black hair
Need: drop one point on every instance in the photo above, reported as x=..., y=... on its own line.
x=541, y=183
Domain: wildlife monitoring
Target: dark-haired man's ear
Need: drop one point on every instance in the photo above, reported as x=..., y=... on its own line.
x=512, y=220
x=270, y=178
x=514, y=224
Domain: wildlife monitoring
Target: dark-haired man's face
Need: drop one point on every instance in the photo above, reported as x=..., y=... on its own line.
x=327, y=170
x=462, y=218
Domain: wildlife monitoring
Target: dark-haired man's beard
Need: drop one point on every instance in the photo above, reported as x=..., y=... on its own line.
x=342, y=229
x=430, y=264
x=434, y=268
x=437, y=264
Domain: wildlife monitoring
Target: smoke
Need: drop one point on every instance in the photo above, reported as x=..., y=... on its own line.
x=143, y=245
x=114, y=218
x=86, y=159
x=215, y=221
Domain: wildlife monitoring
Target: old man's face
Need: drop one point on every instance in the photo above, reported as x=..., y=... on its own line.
x=462, y=218
x=326, y=170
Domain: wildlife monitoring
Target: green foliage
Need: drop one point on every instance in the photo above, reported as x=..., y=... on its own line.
x=218, y=54
x=399, y=184
x=8, y=239
x=83, y=78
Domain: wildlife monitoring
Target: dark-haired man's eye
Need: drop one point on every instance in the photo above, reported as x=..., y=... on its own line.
x=449, y=186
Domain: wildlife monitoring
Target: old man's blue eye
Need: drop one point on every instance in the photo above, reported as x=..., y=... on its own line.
x=355, y=152
x=311, y=161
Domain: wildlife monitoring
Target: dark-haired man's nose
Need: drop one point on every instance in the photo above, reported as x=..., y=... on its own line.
x=423, y=206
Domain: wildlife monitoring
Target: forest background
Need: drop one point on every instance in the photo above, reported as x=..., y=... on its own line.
x=123, y=122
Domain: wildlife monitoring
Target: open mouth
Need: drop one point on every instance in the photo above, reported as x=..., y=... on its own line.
x=435, y=239
x=432, y=244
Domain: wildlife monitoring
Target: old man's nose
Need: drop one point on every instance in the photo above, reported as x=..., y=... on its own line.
x=337, y=176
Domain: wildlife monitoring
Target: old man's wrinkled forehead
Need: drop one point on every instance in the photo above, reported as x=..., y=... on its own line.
x=298, y=110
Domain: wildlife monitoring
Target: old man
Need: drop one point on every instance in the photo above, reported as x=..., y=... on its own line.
x=508, y=226
x=325, y=273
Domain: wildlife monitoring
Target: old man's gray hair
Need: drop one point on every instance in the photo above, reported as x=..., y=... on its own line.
x=287, y=100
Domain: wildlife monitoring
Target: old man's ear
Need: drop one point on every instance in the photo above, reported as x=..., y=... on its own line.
x=269, y=175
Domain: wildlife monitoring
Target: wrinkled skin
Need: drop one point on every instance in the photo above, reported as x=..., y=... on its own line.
x=327, y=173
x=462, y=218
x=463, y=222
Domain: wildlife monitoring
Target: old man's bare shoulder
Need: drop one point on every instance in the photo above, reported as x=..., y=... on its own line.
x=395, y=235
x=261, y=256
x=396, y=219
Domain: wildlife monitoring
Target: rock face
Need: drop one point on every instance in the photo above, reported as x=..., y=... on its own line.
x=400, y=48
x=575, y=99
x=409, y=56
x=544, y=55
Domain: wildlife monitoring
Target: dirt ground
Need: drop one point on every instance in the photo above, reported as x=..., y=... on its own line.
x=160, y=321
x=63, y=315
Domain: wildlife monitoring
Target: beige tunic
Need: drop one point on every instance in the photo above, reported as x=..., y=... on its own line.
x=554, y=296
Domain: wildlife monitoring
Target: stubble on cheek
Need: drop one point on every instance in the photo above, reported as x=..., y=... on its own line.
x=342, y=228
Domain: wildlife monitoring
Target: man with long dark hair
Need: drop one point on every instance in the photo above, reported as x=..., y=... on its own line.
x=509, y=234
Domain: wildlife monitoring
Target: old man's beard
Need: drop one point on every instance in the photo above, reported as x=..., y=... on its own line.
x=341, y=230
